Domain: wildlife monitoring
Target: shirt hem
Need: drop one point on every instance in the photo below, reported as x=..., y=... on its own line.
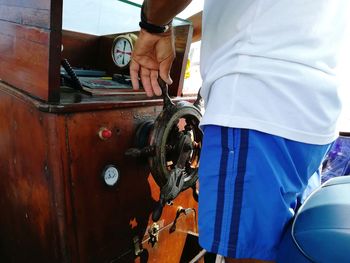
x=270, y=128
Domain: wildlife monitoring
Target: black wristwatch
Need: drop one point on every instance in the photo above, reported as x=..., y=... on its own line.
x=151, y=28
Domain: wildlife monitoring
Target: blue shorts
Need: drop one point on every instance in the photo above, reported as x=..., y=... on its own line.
x=249, y=185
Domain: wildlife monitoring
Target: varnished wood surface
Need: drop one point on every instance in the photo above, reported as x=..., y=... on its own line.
x=30, y=33
x=56, y=205
x=32, y=217
x=106, y=216
x=87, y=103
x=81, y=50
x=58, y=208
x=24, y=57
x=173, y=246
x=30, y=49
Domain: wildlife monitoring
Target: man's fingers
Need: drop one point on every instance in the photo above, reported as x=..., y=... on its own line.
x=155, y=85
x=146, y=81
x=164, y=70
x=134, y=74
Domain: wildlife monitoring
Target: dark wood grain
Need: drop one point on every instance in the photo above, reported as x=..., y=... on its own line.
x=55, y=50
x=24, y=56
x=108, y=218
x=88, y=103
x=80, y=49
x=30, y=37
x=58, y=208
x=28, y=224
x=58, y=169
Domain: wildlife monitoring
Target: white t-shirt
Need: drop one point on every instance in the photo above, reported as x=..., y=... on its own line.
x=270, y=65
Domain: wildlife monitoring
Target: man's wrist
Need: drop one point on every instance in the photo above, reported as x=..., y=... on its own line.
x=152, y=28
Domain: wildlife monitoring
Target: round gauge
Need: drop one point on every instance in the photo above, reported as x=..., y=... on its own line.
x=110, y=175
x=122, y=48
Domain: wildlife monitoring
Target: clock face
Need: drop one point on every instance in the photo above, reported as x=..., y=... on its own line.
x=110, y=175
x=121, y=50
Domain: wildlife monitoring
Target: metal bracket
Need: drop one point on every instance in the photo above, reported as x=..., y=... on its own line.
x=153, y=234
x=137, y=246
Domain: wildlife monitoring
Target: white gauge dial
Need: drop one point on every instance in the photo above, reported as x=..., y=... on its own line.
x=110, y=175
x=122, y=48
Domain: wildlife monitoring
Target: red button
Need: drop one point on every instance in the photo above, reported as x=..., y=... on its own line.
x=105, y=133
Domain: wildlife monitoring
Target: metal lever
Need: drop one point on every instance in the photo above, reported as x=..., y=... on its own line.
x=199, y=101
x=153, y=234
x=144, y=152
x=168, y=104
x=180, y=211
x=175, y=182
x=75, y=80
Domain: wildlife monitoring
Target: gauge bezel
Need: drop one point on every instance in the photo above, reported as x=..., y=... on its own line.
x=104, y=174
x=131, y=38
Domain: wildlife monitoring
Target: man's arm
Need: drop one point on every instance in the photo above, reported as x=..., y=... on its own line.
x=154, y=53
x=161, y=12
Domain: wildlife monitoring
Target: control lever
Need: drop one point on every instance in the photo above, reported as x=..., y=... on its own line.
x=153, y=232
x=168, y=104
x=144, y=152
x=177, y=150
x=169, y=191
x=180, y=211
x=195, y=193
x=175, y=183
x=75, y=80
x=199, y=101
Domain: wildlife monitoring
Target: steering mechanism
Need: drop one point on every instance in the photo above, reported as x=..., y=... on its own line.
x=172, y=145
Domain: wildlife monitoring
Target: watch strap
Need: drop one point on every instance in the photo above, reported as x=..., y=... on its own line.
x=151, y=28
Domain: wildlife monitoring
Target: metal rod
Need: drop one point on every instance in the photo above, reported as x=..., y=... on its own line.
x=199, y=256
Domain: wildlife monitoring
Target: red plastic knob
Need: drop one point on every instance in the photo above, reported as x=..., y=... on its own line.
x=105, y=133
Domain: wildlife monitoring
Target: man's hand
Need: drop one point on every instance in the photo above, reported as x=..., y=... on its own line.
x=152, y=56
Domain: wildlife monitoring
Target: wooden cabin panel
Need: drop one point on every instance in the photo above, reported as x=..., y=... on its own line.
x=105, y=215
x=81, y=50
x=61, y=192
x=27, y=223
x=108, y=218
x=176, y=243
x=30, y=36
x=56, y=206
x=24, y=59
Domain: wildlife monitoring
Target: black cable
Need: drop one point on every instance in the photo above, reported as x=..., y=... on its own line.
x=75, y=80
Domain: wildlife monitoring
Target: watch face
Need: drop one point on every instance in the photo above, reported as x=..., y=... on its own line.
x=110, y=175
x=121, y=50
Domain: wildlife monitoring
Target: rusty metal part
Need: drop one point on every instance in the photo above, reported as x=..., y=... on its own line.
x=153, y=233
x=173, y=123
x=172, y=141
x=138, y=249
x=172, y=144
x=180, y=210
